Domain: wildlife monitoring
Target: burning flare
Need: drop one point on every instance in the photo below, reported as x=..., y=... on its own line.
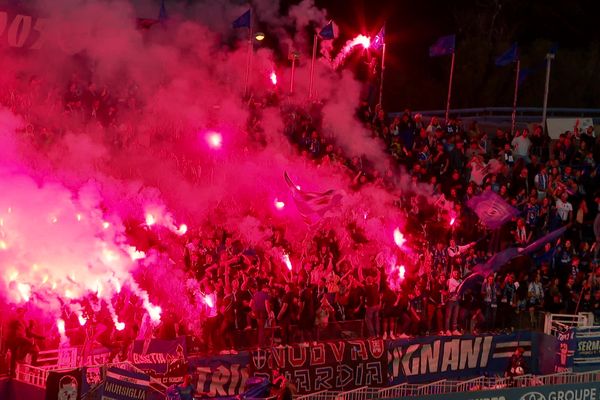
x=399, y=238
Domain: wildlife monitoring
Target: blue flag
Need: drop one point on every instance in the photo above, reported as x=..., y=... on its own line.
x=314, y=205
x=443, y=46
x=510, y=56
x=502, y=258
x=162, y=13
x=491, y=209
x=243, y=21
x=379, y=39
x=524, y=73
x=327, y=33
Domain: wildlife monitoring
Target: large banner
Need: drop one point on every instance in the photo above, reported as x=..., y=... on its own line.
x=164, y=360
x=65, y=385
x=431, y=358
x=576, y=391
x=121, y=384
x=338, y=365
x=91, y=387
x=21, y=31
x=219, y=376
x=587, y=349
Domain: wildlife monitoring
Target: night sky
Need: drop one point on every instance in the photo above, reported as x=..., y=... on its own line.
x=484, y=29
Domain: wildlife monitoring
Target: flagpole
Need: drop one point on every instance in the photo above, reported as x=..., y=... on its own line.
x=249, y=59
x=312, y=68
x=514, y=110
x=450, y=85
x=293, y=73
x=380, y=105
x=549, y=58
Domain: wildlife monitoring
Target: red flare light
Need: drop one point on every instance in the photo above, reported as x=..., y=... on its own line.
x=399, y=238
x=287, y=262
x=208, y=300
x=150, y=220
x=273, y=78
x=363, y=40
x=279, y=204
x=214, y=140
x=60, y=324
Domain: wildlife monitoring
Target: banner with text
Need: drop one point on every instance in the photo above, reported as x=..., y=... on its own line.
x=427, y=359
x=19, y=30
x=587, y=348
x=164, y=360
x=121, y=384
x=219, y=376
x=337, y=365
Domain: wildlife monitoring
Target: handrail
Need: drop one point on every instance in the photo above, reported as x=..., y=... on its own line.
x=507, y=110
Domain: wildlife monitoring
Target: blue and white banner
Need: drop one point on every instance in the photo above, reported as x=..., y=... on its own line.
x=220, y=376
x=121, y=384
x=587, y=348
x=157, y=354
x=427, y=359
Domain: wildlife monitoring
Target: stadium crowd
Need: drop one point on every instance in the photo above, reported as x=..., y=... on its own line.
x=242, y=287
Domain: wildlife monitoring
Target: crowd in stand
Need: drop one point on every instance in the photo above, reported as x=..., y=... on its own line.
x=243, y=287
x=550, y=184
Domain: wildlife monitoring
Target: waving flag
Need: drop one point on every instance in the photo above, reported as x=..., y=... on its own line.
x=510, y=56
x=491, y=209
x=243, y=21
x=379, y=39
x=524, y=73
x=327, y=33
x=493, y=265
x=162, y=13
x=313, y=205
x=443, y=46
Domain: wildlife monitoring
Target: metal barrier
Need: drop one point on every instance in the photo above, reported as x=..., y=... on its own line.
x=322, y=395
x=37, y=376
x=446, y=386
x=362, y=393
x=558, y=323
x=31, y=375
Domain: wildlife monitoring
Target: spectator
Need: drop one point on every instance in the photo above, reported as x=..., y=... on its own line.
x=452, y=305
x=17, y=341
x=521, y=145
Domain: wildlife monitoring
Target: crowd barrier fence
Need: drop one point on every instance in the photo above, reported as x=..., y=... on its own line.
x=448, y=386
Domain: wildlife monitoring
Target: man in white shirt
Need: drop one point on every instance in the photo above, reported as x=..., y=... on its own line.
x=455, y=250
x=452, y=306
x=521, y=145
x=564, y=209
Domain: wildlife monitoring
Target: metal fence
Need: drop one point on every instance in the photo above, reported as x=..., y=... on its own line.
x=558, y=323
x=37, y=376
x=450, y=386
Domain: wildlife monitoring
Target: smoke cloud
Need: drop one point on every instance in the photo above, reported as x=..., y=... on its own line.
x=78, y=190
